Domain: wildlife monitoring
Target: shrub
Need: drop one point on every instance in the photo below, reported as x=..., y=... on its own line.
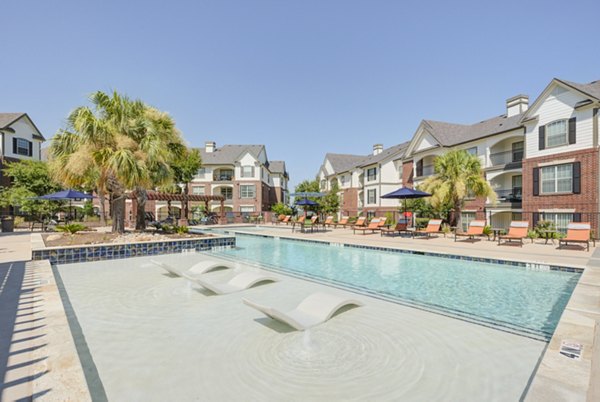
x=71, y=228
x=420, y=223
x=182, y=229
x=532, y=234
x=446, y=229
x=487, y=230
x=281, y=209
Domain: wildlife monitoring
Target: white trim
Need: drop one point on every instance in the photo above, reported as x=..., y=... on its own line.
x=557, y=162
x=558, y=210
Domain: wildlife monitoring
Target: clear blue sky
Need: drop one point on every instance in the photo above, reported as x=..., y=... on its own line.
x=303, y=77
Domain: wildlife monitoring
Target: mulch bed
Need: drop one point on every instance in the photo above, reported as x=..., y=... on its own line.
x=82, y=238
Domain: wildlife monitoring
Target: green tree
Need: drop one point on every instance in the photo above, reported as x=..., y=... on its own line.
x=457, y=175
x=308, y=186
x=330, y=204
x=281, y=209
x=185, y=166
x=29, y=179
x=123, y=145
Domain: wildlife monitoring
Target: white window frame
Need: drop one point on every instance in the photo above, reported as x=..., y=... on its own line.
x=472, y=151
x=372, y=177
x=248, y=209
x=246, y=174
x=20, y=146
x=555, y=179
x=560, y=219
x=247, y=191
x=371, y=191
x=198, y=190
x=553, y=124
x=229, y=190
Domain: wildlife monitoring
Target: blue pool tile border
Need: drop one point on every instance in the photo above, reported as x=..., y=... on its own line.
x=426, y=253
x=88, y=253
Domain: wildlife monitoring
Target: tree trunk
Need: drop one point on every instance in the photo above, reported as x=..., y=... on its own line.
x=102, y=199
x=186, y=211
x=118, y=213
x=140, y=215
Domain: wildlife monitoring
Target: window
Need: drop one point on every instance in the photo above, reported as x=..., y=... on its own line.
x=517, y=187
x=227, y=192
x=323, y=184
x=557, y=133
x=472, y=151
x=466, y=218
x=371, y=174
x=557, y=179
x=247, y=171
x=517, y=151
x=247, y=191
x=22, y=147
x=198, y=190
x=370, y=215
x=343, y=180
x=246, y=209
x=371, y=196
x=201, y=172
x=560, y=220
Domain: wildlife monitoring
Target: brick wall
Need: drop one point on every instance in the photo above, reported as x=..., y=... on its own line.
x=476, y=205
x=349, y=205
x=407, y=174
x=586, y=202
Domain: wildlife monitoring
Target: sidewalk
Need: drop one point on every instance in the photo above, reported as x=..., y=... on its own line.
x=15, y=246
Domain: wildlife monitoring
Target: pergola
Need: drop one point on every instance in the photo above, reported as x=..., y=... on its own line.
x=183, y=198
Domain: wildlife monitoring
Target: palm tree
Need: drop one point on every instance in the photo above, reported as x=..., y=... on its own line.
x=120, y=144
x=457, y=175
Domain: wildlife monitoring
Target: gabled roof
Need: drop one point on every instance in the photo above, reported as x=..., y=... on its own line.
x=6, y=119
x=229, y=154
x=591, y=89
x=450, y=134
x=277, y=167
x=343, y=162
x=396, y=150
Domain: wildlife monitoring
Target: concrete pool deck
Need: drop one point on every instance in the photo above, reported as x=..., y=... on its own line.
x=140, y=321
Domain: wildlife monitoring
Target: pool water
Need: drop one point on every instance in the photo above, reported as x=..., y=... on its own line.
x=528, y=302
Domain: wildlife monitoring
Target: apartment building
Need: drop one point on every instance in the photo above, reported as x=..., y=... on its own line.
x=542, y=160
x=20, y=139
x=242, y=174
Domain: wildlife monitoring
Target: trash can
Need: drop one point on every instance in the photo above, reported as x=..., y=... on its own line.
x=8, y=224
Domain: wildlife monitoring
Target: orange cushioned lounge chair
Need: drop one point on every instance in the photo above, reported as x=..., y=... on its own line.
x=328, y=221
x=343, y=222
x=517, y=232
x=577, y=232
x=401, y=226
x=360, y=222
x=287, y=219
x=373, y=226
x=475, y=230
x=433, y=226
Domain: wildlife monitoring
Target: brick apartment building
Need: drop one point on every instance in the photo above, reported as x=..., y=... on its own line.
x=542, y=160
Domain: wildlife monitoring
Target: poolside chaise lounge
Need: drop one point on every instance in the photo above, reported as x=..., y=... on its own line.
x=516, y=232
x=287, y=219
x=344, y=221
x=328, y=221
x=373, y=226
x=476, y=228
x=577, y=232
x=360, y=222
x=433, y=226
x=313, y=310
x=401, y=226
x=279, y=219
x=198, y=268
x=239, y=282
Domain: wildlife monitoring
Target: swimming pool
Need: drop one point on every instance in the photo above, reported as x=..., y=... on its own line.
x=525, y=301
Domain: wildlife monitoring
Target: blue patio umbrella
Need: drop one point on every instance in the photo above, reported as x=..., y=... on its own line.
x=65, y=195
x=305, y=202
x=405, y=193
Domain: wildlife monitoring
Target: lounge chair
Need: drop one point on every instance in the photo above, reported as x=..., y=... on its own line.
x=344, y=221
x=239, y=282
x=328, y=222
x=433, y=226
x=198, y=268
x=401, y=226
x=279, y=219
x=373, y=226
x=476, y=228
x=516, y=232
x=360, y=222
x=287, y=219
x=577, y=232
x=314, y=310
x=311, y=224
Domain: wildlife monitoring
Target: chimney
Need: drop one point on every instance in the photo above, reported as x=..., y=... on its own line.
x=377, y=149
x=516, y=105
x=210, y=146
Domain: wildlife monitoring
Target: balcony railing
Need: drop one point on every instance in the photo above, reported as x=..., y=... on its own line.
x=504, y=158
x=222, y=177
x=427, y=170
x=510, y=195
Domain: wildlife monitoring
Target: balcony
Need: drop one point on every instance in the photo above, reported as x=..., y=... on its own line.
x=507, y=159
x=509, y=197
x=223, y=177
x=425, y=171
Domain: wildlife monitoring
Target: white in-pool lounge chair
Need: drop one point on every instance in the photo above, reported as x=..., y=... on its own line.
x=239, y=282
x=198, y=268
x=314, y=310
